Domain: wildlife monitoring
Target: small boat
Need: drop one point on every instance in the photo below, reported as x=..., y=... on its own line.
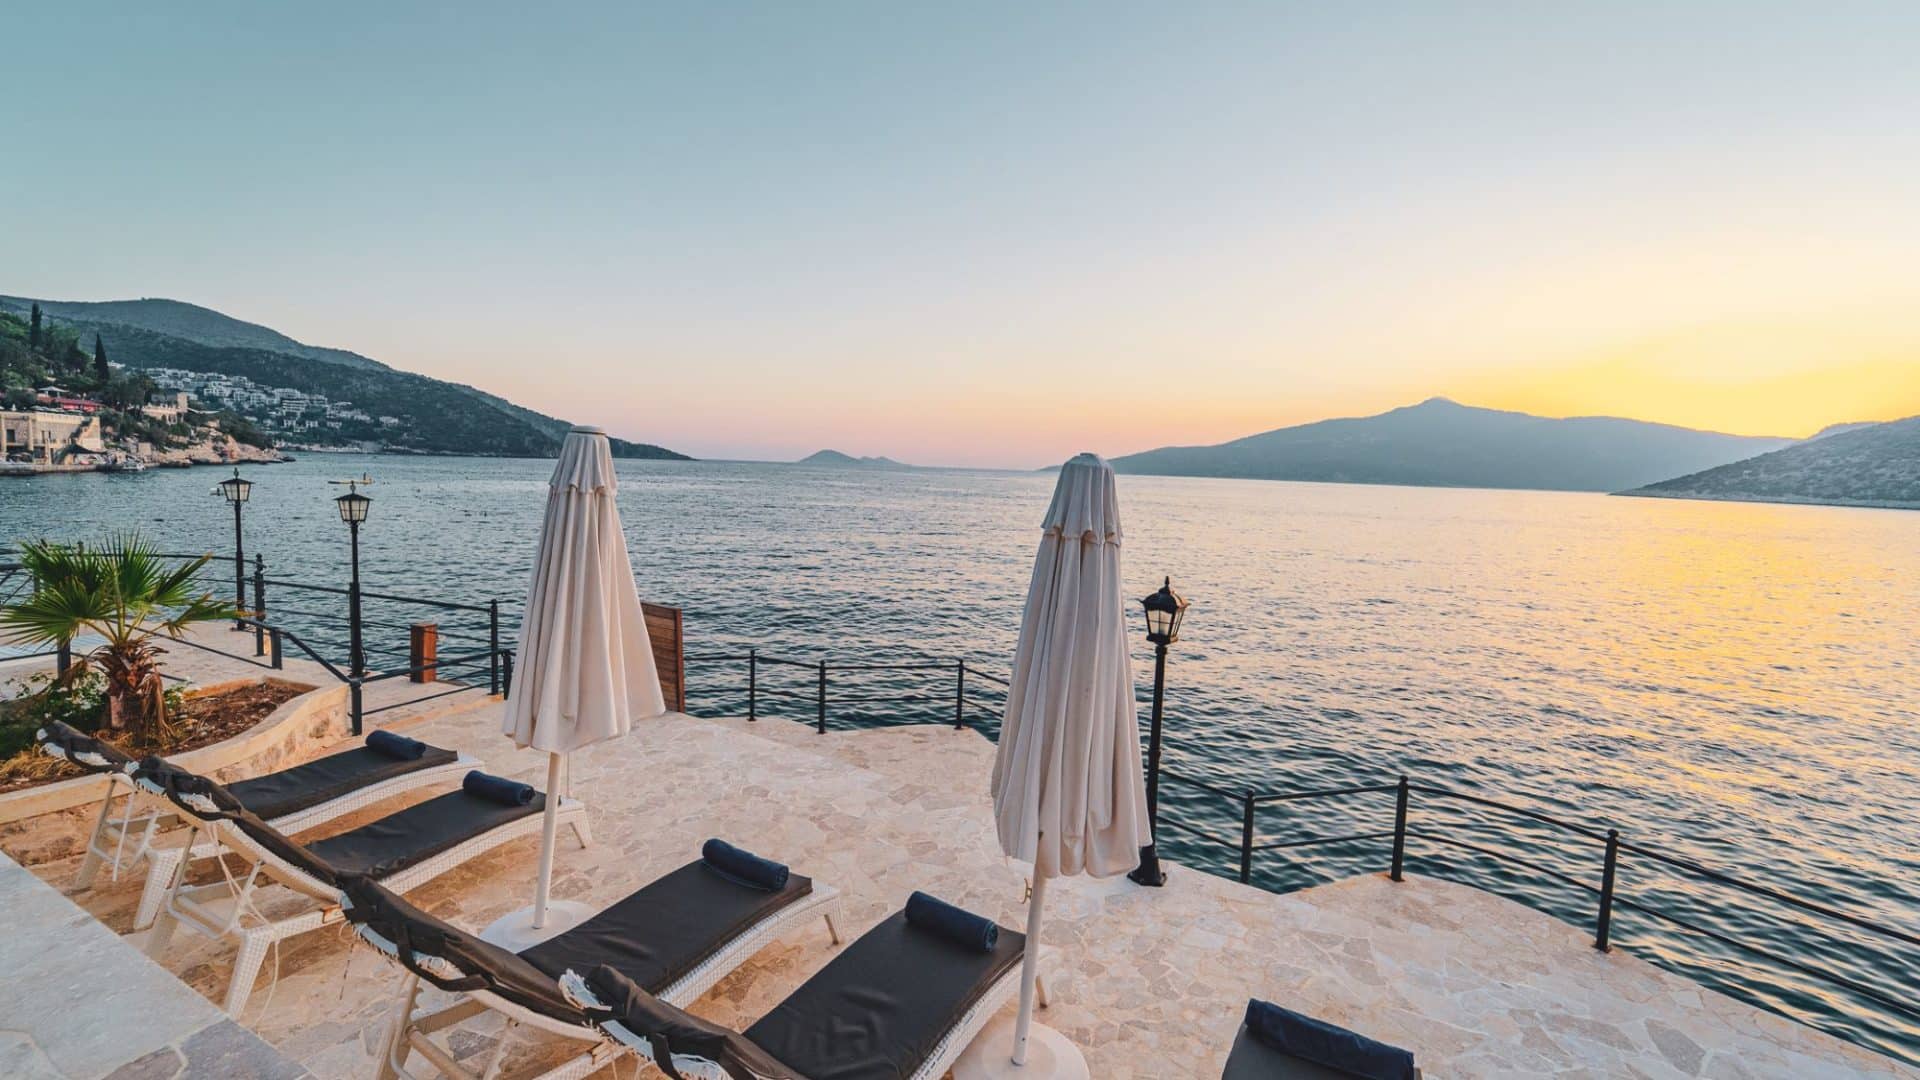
x=123, y=463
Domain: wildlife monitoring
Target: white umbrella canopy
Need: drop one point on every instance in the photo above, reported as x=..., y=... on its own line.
x=1067, y=788
x=1067, y=791
x=584, y=669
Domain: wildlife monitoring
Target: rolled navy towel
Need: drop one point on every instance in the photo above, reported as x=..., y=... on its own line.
x=744, y=866
x=1324, y=1044
x=497, y=788
x=958, y=925
x=398, y=747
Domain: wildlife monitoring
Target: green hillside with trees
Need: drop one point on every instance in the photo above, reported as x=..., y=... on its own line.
x=36, y=352
x=434, y=416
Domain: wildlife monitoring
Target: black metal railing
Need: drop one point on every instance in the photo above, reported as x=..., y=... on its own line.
x=846, y=693
x=319, y=622
x=1608, y=851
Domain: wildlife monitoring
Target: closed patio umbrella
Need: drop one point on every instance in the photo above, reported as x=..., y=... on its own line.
x=584, y=669
x=1067, y=791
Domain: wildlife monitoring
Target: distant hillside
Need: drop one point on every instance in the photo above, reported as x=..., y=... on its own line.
x=182, y=320
x=436, y=416
x=1840, y=429
x=838, y=460
x=1443, y=444
x=1875, y=465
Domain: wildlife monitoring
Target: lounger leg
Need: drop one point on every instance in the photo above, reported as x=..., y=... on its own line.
x=167, y=866
x=393, y=1052
x=246, y=968
x=499, y=1055
x=1040, y=990
x=581, y=832
x=161, y=935
x=833, y=931
x=90, y=865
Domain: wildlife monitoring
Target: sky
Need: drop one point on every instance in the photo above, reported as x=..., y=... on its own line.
x=1000, y=234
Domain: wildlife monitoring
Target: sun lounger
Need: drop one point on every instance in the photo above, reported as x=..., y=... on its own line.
x=403, y=850
x=290, y=800
x=1275, y=1044
x=903, y=1001
x=677, y=936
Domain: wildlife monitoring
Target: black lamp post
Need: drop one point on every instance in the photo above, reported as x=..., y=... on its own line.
x=236, y=491
x=1165, y=610
x=353, y=511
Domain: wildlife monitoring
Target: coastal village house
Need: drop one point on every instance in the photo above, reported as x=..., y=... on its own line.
x=166, y=408
x=38, y=437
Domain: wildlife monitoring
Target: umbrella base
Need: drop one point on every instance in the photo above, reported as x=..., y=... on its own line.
x=1049, y=1054
x=514, y=931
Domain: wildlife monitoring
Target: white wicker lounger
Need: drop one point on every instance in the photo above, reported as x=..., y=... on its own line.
x=164, y=863
x=145, y=814
x=410, y=1031
x=222, y=909
x=939, y=1060
x=107, y=844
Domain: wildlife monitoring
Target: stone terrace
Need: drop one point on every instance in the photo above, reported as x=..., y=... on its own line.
x=1151, y=983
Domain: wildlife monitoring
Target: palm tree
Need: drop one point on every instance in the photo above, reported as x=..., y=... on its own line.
x=125, y=593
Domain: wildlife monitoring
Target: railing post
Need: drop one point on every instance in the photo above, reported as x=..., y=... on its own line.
x=506, y=674
x=959, y=695
x=493, y=645
x=1399, y=830
x=354, y=684
x=1603, y=927
x=1246, y=838
x=259, y=604
x=273, y=648
x=822, y=728
x=753, y=684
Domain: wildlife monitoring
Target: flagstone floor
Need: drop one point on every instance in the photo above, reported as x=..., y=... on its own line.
x=1151, y=983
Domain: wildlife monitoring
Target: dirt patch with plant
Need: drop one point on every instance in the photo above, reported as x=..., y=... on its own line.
x=193, y=720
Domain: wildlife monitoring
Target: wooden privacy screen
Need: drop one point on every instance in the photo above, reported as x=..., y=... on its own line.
x=663, y=629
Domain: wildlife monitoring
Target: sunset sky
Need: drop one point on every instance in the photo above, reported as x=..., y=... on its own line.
x=968, y=234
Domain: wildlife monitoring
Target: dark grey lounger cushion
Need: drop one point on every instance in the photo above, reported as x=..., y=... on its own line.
x=879, y=1008
x=667, y=928
x=1252, y=1059
x=405, y=838
x=325, y=779
x=654, y=936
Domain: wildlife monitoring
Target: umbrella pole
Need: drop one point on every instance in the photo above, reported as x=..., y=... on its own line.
x=548, y=827
x=1029, y=969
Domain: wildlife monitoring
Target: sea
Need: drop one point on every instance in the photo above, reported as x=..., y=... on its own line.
x=1733, y=685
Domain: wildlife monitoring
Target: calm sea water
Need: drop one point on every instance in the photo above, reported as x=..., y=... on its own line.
x=1734, y=683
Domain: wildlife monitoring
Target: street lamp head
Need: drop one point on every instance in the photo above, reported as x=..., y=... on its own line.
x=352, y=506
x=235, y=489
x=1165, y=610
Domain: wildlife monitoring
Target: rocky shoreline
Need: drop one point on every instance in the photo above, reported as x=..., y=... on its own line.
x=225, y=451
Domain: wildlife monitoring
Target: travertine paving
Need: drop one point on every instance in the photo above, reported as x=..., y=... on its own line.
x=1150, y=982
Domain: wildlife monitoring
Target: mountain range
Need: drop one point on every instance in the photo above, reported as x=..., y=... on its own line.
x=1445, y=444
x=435, y=416
x=1863, y=465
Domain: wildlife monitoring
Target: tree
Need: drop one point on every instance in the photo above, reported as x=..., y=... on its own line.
x=33, y=331
x=127, y=392
x=100, y=369
x=124, y=593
